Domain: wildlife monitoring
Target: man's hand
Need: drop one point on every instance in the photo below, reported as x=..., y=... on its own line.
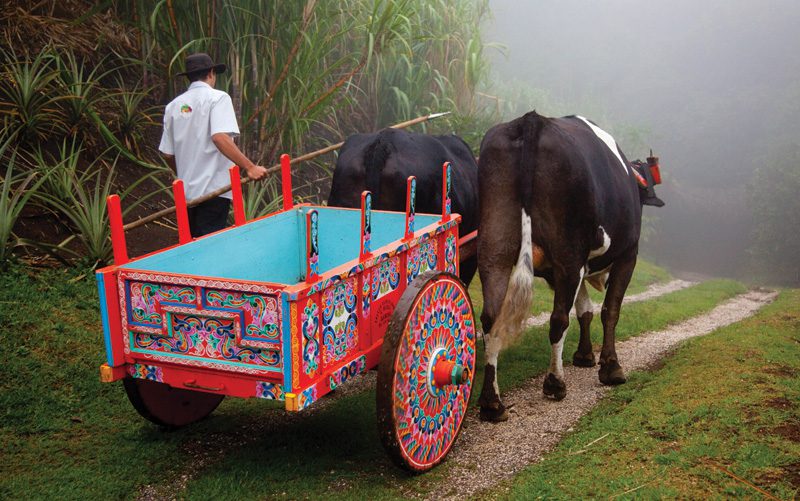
x=227, y=147
x=256, y=172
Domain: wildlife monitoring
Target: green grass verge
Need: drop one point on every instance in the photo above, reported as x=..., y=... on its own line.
x=727, y=402
x=531, y=355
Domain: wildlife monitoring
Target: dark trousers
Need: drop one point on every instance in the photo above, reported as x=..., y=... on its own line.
x=209, y=216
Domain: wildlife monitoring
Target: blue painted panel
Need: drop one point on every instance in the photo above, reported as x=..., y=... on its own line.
x=340, y=233
x=264, y=251
x=101, y=289
x=287, y=344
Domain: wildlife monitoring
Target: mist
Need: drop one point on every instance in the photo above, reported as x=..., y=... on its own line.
x=712, y=87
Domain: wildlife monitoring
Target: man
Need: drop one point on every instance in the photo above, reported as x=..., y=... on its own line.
x=199, y=126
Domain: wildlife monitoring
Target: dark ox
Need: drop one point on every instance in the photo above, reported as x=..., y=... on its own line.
x=558, y=199
x=381, y=162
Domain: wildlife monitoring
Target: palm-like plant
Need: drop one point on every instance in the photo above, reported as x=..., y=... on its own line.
x=81, y=86
x=27, y=95
x=133, y=116
x=16, y=189
x=76, y=192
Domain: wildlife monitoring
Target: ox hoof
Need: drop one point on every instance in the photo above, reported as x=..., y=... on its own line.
x=612, y=374
x=554, y=387
x=495, y=412
x=583, y=359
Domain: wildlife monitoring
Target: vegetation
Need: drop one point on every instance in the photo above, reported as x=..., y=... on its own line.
x=300, y=73
x=693, y=428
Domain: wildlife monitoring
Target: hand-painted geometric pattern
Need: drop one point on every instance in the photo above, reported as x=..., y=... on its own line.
x=269, y=391
x=339, y=320
x=450, y=254
x=204, y=337
x=263, y=310
x=310, y=319
x=144, y=296
x=427, y=422
x=411, y=205
x=307, y=398
x=348, y=372
x=421, y=259
x=366, y=222
x=150, y=372
x=366, y=295
x=368, y=263
x=312, y=268
x=386, y=278
x=448, y=171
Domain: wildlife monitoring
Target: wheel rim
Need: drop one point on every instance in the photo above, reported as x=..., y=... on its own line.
x=167, y=406
x=427, y=417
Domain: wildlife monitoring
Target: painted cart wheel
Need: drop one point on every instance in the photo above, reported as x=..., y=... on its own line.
x=426, y=371
x=167, y=406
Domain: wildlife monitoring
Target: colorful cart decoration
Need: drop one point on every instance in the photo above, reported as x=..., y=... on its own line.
x=291, y=306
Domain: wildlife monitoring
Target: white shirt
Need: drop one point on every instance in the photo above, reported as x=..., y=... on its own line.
x=189, y=122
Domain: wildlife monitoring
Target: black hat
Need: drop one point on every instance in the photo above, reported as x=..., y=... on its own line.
x=201, y=62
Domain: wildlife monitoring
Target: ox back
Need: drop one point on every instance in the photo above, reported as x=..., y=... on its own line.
x=381, y=162
x=558, y=199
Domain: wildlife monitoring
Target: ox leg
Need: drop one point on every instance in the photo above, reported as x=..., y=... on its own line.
x=584, y=356
x=506, y=300
x=611, y=372
x=494, y=290
x=566, y=287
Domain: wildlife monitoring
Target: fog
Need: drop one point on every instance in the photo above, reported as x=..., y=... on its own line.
x=713, y=87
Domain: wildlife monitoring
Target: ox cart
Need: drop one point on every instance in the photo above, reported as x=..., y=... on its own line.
x=293, y=305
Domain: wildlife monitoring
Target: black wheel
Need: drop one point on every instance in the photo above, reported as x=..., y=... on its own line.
x=167, y=406
x=426, y=371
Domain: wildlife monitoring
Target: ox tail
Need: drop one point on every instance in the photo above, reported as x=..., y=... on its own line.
x=375, y=157
x=532, y=125
x=519, y=294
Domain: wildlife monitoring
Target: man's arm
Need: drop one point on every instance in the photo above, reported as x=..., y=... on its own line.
x=227, y=147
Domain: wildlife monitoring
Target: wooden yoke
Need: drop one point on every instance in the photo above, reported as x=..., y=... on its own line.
x=366, y=226
x=181, y=212
x=446, y=205
x=411, y=204
x=286, y=181
x=117, y=230
x=238, y=202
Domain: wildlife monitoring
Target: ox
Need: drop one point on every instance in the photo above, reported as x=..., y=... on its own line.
x=381, y=162
x=558, y=199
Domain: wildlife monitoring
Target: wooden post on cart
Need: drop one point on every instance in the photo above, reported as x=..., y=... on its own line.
x=312, y=246
x=117, y=230
x=286, y=181
x=181, y=212
x=411, y=204
x=238, y=202
x=446, y=204
x=366, y=226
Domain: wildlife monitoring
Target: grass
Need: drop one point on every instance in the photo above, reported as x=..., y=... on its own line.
x=67, y=435
x=722, y=413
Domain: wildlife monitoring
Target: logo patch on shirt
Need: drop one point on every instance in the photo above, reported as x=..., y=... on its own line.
x=186, y=108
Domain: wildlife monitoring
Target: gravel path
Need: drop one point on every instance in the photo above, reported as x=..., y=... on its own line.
x=488, y=453
x=653, y=291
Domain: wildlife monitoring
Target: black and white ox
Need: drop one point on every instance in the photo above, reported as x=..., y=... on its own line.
x=558, y=199
x=381, y=162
